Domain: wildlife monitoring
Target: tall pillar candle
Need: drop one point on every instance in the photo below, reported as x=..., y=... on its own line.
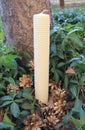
x=41, y=24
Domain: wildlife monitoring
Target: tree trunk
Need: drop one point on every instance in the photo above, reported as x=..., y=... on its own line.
x=17, y=16
x=61, y=4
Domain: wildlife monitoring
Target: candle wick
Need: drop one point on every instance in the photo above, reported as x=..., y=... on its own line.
x=45, y=12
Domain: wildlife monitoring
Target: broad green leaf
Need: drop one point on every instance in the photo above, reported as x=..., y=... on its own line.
x=53, y=47
x=6, y=103
x=60, y=73
x=82, y=117
x=2, y=36
x=74, y=82
x=9, y=61
x=78, y=105
x=60, y=55
x=75, y=59
x=1, y=62
x=5, y=126
x=27, y=90
x=5, y=98
x=24, y=114
x=60, y=64
x=10, y=80
x=81, y=66
x=74, y=90
x=7, y=120
x=82, y=79
x=14, y=108
x=66, y=81
x=18, y=100
x=1, y=74
x=27, y=96
x=56, y=76
x=76, y=122
x=75, y=30
x=27, y=106
x=74, y=38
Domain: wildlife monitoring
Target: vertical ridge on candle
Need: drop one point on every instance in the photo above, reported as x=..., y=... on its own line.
x=41, y=55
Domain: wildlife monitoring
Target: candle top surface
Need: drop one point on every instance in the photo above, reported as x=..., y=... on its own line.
x=41, y=14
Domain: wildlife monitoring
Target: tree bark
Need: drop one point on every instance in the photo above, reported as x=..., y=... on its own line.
x=61, y=4
x=17, y=17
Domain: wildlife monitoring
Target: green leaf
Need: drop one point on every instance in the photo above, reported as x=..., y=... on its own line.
x=7, y=120
x=76, y=122
x=75, y=30
x=26, y=94
x=74, y=38
x=9, y=61
x=5, y=126
x=82, y=117
x=60, y=64
x=27, y=106
x=5, y=98
x=73, y=82
x=60, y=73
x=66, y=81
x=6, y=103
x=18, y=100
x=56, y=76
x=24, y=114
x=1, y=74
x=81, y=66
x=14, y=108
x=60, y=55
x=74, y=90
x=1, y=62
x=10, y=80
x=78, y=105
x=82, y=79
x=53, y=47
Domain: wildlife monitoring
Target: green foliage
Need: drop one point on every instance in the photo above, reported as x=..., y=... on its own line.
x=68, y=51
x=17, y=105
x=8, y=65
x=69, y=16
x=2, y=34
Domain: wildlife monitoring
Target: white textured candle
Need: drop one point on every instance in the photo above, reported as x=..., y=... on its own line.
x=41, y=55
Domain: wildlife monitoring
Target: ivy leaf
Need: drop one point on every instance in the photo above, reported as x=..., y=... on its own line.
x=14, y=108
